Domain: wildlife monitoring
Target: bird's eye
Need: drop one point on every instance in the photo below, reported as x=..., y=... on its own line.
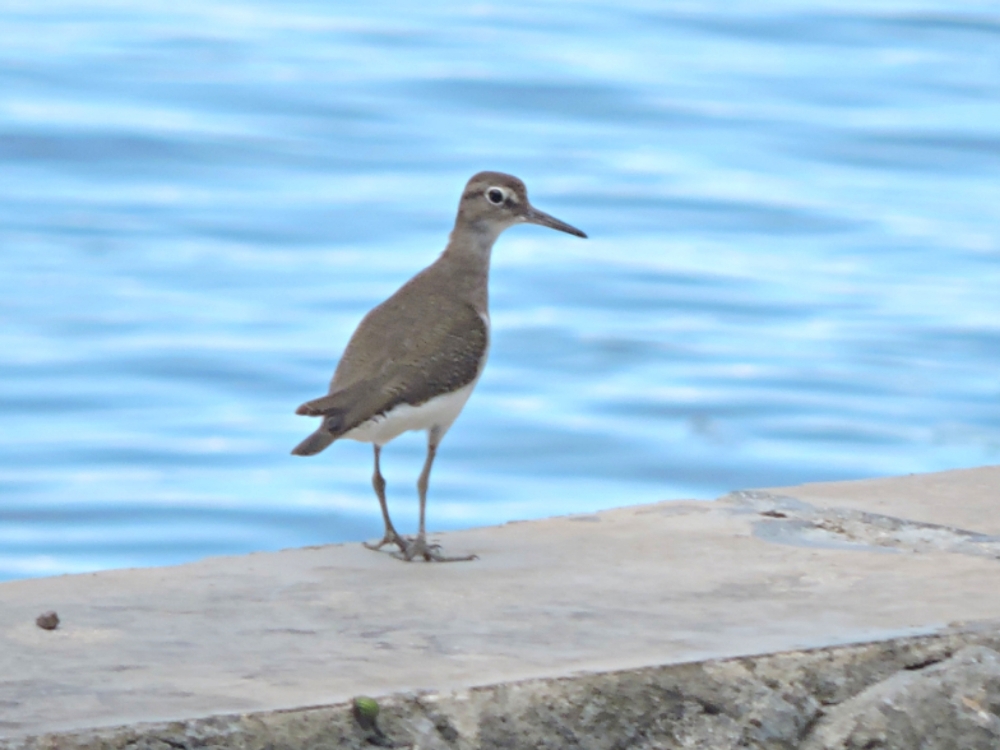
x=495, y=196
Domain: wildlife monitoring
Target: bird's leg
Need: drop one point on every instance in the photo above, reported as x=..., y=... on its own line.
x=390, y=536
x=419, y=546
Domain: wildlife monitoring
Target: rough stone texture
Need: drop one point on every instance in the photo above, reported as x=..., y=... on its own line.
x=946, y=498
x=933, y=692
x=953, y=704
x=792, y=521
x=638, y=627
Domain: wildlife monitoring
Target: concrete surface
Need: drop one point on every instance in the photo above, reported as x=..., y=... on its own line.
x=936, y=692
x=967, y=499
x=665, y=584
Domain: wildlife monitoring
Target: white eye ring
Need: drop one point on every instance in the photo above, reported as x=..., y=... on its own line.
x=495, y=195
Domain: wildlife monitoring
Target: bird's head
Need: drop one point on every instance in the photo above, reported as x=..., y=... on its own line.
x=493, y=201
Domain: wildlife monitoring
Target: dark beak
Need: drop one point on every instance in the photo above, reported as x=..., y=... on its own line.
x=534, y=216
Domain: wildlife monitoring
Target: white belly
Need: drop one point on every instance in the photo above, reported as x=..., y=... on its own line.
x=439, y=412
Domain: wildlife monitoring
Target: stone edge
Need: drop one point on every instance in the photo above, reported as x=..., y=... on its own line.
x=756, y=701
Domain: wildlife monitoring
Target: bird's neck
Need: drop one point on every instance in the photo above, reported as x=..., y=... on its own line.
x=466, y=259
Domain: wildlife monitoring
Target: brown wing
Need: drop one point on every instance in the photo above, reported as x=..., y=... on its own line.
x=414, y=346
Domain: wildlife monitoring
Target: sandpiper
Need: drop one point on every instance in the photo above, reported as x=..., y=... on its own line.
x=414, y=359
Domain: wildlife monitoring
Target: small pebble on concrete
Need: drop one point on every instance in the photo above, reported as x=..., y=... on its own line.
x=47, y=620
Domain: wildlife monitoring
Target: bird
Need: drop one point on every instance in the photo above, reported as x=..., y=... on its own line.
x=414, y=360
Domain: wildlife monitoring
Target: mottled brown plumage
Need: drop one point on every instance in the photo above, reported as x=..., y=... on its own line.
x=414, y=359
x=414, y=346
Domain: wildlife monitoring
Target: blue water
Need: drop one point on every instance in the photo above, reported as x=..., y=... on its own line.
x=793, y=272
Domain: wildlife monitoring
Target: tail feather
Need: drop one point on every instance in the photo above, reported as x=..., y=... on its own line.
x=324, y=405
x=318, y=441
x=341, y=411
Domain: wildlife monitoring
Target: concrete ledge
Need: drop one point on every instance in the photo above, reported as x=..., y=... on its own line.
x=644, y=623
x=773, y=701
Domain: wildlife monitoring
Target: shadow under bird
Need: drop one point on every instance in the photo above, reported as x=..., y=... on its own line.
x=413, y=361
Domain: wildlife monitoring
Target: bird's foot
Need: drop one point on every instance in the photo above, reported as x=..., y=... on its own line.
x=418, y=547
x=391, y=537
